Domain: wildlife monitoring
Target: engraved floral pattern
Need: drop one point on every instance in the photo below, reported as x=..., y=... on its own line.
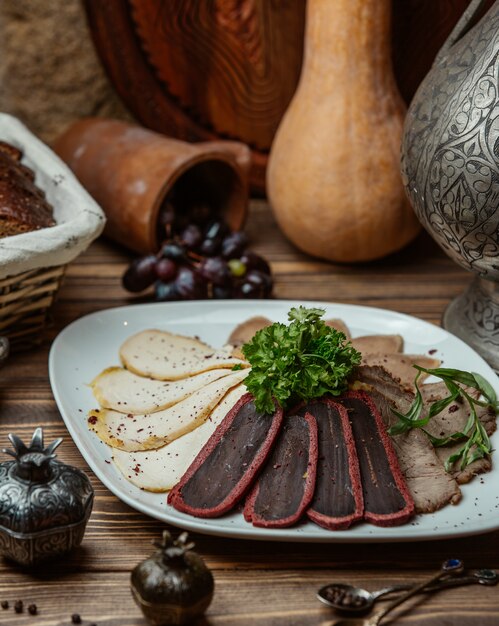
x=450, y=167
x=451, y=150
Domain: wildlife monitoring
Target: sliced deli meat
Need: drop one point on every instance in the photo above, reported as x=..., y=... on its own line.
x=286, y=484
x=378, y=344
x=338, y=500
x=453, y=419
x=387, y=499
x=245, y=331
x=159, y=470
x=151, y=431
x=120, y=390
x=224, y=470
x=165, y=356
x=378, y=378
x=430, y=485
x=401, y=367
x=339, y=325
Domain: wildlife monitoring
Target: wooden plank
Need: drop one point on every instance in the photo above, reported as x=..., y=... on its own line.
x=258, y=583
x=273, y=597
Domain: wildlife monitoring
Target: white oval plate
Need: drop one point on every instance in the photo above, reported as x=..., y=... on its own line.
x=90, y=344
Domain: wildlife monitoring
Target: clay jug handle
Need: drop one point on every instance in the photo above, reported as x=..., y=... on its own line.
x=461, y=28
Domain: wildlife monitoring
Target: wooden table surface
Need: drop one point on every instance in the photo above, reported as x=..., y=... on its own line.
x=257, y=583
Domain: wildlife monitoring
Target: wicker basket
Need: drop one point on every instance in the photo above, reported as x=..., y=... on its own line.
x=32, y=264
x=24, y=304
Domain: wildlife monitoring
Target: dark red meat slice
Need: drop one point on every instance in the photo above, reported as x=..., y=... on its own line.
x=286, y=485
x=224, y=469
x=387, y=500
x=337, y=501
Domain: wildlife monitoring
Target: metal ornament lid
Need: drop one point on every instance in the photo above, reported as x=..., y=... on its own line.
x=37, y=492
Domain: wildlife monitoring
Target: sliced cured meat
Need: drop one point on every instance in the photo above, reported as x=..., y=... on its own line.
x=337, y=501
x=378, y=344
x=244, y=332
x=400, y=366
x=159, y=470
x=453, y=419
x=165, y=356
x=153, y=430
x=339, y=325
x=430, y=485
x=118, y=389
x=286, y=484
x=224, y=470
x=387, y=500
x=377, y=377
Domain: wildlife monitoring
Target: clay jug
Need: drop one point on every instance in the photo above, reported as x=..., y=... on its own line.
x=131, y=172
x=333, y=178
x=450, y=167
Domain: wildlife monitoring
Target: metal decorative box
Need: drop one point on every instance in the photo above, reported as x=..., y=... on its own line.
x=44, y=504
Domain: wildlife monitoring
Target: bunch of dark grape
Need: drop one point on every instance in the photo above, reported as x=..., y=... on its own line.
x=201, y=261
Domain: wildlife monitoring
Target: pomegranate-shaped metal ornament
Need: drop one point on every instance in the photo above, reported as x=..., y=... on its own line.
x=44, y=504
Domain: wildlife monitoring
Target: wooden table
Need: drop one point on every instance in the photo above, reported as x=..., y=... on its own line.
x=257, y=583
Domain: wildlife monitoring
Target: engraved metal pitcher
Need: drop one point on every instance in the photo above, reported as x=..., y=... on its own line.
x=450, y=167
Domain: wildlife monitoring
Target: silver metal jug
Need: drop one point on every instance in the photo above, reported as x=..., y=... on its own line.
x=450, y=168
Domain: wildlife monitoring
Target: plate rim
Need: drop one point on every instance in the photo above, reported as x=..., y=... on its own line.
x=252, y=533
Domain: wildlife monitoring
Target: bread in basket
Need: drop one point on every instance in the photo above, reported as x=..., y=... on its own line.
x=32, y=264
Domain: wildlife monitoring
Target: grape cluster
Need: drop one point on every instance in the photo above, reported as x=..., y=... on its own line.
x=200, y=260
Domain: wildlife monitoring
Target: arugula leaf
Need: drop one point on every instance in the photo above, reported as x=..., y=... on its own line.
x=476, y=441
x=300, y=361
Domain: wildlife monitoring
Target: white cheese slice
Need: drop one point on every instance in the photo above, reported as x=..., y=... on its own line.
x=152, y=430
x=165, y=356
x=159, y=470
x=118, y=389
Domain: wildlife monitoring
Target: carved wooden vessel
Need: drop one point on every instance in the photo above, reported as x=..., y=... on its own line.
x=228, y=68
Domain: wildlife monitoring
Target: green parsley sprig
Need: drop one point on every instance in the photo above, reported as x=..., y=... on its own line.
x=476, y=442
x=300, y=361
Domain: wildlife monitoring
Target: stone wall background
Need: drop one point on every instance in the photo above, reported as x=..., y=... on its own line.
x=50, y=74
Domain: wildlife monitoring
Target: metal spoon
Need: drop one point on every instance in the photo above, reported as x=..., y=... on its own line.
x=355, y=600
x=452, y=567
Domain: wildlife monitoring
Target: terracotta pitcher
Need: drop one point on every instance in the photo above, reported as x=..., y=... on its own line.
x=131, y=171
x=450, y=166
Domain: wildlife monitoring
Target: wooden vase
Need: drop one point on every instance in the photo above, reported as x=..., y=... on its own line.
x=333, y=178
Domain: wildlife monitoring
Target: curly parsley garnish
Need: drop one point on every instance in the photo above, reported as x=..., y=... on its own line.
x=301, y=361
x=476, y=442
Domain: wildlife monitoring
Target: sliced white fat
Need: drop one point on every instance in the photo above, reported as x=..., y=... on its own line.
x=159, y=470
x=165, y=356
x=118, y=389
x=153, y=430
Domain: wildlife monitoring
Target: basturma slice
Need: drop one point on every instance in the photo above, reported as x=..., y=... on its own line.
x=286, y=485
x=337, y=501
x=224, y=469
x=387, y=500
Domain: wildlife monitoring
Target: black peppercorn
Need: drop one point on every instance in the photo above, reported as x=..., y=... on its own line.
x=5, y=604
x=32, y=609
x=18, y=606
x=75, y=618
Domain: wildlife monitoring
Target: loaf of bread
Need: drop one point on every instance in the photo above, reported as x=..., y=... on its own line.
x=23, y=206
